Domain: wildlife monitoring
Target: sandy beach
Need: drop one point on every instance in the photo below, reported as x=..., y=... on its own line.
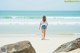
x=51, y=43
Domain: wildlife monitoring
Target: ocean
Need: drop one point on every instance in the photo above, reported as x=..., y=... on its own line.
x=38, y=13
x=59, y=22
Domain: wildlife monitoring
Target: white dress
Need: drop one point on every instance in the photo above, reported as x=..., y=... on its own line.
x=43, y=25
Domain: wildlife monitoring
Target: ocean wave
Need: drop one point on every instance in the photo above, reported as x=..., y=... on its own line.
x=51, y=20
x=36, y=22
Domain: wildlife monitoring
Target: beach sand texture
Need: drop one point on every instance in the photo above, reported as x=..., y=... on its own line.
x=48, y=45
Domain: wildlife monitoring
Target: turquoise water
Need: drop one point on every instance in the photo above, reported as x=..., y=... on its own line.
x=28, y=21
x=39, y=13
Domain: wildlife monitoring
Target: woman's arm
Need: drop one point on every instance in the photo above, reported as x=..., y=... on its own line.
x=40, y=25
x=47, y=23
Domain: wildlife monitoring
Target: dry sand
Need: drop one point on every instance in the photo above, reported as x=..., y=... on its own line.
x=51, y=43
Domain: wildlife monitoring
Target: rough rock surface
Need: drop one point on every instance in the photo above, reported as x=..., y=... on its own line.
x=66, y=47
x=19, y=47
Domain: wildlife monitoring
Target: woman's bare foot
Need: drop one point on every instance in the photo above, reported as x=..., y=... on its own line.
x=43, y=39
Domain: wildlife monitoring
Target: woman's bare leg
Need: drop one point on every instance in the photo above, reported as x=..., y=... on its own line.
x=43, y=33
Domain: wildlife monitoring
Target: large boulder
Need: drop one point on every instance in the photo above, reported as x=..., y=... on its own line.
x=66, y=47
x=19, y=47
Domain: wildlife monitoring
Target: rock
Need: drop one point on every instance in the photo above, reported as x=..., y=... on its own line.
x=66, y=47
x=75, y=51
x=19, y=47
x=62, y=52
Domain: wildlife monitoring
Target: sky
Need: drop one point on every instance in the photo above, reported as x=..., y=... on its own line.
x=43, y=5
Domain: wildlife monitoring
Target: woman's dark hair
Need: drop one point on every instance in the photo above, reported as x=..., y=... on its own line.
x=44, y=18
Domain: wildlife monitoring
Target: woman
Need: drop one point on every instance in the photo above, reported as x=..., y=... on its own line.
x=43, y=26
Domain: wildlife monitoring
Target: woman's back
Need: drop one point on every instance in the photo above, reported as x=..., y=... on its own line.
x=43, y=23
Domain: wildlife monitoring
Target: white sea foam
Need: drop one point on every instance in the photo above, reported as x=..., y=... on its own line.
x=51, y=20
